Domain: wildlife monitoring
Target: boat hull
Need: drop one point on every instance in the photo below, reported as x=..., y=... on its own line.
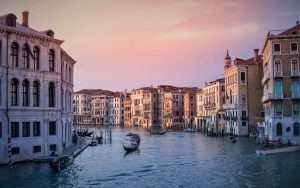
x=278, y=150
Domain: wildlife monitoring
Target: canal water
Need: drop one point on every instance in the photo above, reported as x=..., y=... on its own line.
x=177, y=159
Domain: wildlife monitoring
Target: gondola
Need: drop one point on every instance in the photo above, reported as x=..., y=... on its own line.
x=135, y=137
x=157, y=132
x=131, y=147
x=59, y=163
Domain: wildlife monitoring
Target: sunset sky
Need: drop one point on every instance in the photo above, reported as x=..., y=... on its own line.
x=129, y=44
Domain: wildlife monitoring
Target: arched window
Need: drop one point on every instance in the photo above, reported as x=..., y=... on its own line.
x=295, y=65
x=25, y=58
x=14, y=54
x=36, y=58
x=51, y=91
x=51, y=60
x=296, y=129
x=25, y=93
x=277, y=63
x=279, y=129
x=36, y=94
x=14, y=92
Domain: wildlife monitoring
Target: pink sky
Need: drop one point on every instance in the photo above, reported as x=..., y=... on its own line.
x=128, y=44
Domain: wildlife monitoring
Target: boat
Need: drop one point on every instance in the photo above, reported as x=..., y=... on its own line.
x=233, y=140
x=131, y=146
x=283, y=149
x=93, y=143
x=99, y=139
x=60, y=162
x=134, y=137
x=157, y=130
x=190, y=130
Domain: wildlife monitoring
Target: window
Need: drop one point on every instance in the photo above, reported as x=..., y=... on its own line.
x=52, y=128
x=295, y=109
x=296, y=129
x=14, y=92
x=243, y=98
x=294, y=47
x=36, y=149
x=279, y=129
x=243, y=77
x=25, y=92
x=51, y=91
x=25, y=129
x=277, y=63
x=278, y=87
x=244, y=113
x=278, y=110
x=15, y=150
x=295, y=64
x=36, y=94
x=295, y=87
x=276, y=48
x=36, y=129
x=0, y=130
x=36, y=58
x=14, y=54
x=52, y=147
x=51, y=60
x=25, y=57
x=244, y=124
x=14, y=129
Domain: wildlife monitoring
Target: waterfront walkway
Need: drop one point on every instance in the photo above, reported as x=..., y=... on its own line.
x=76, y=149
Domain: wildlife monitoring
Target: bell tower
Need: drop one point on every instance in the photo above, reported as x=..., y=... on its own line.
x=227, y=60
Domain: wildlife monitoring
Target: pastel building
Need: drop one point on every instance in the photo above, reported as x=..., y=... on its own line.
x=36, y=91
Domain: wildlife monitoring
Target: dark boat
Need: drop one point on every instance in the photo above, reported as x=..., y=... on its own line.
x=233, y=140
x=99, y=139
x=93, y=143
x=131, y=147
x=135, y=137
x=59, y=163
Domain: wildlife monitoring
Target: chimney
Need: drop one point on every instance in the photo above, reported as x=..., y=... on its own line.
x=25, y=18
x=255, y=55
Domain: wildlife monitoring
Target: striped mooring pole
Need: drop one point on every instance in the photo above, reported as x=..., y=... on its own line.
x=9, y=152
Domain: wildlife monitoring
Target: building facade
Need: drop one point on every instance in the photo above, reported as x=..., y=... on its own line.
x=243, y=94
x=281, y=97
x=36, y=83
x=127, y=112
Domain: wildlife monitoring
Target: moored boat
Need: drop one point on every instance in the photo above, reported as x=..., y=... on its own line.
x=283, y=149
x=60, y=162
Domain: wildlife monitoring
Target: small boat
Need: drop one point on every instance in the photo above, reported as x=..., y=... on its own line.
x=283, y=149
x=190, y=130
x=93, y=143
x=131, y=147
x=157, y=130
x=135, y=137
x=99, y=139
x=233, y=140
x=59, y=163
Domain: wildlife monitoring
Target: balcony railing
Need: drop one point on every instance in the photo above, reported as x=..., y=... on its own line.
x=209, y=105
x=295, y=73
x=244, y=118
x=272, y=96
x=229, y=106
x=278, y=74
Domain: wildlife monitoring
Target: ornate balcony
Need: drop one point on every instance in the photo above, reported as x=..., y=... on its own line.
x=244, y=118
x=278, y=74
x=229, y=106
x=295, y=73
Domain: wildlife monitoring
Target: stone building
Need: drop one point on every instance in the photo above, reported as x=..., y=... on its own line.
x=82, y=107
x=116, y=110
x=36, y=91
x=199, y=118
x=189, y=106
x=243, y=93
x=127, y=112
x=173, y=108
x=281, y=97
x=213, y=94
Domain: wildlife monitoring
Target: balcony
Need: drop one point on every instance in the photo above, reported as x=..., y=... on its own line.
x=244, y=118
x=209, y=105
x=295, y=95
x=278, y=74
x=295, y=73
x=272, y=96
x=229, y=106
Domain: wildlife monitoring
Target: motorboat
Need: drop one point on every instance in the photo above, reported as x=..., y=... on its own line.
x=60, y=162
x=282, y=149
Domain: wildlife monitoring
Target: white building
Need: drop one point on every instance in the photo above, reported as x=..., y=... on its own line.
x=36, y=88
x=82, y=107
